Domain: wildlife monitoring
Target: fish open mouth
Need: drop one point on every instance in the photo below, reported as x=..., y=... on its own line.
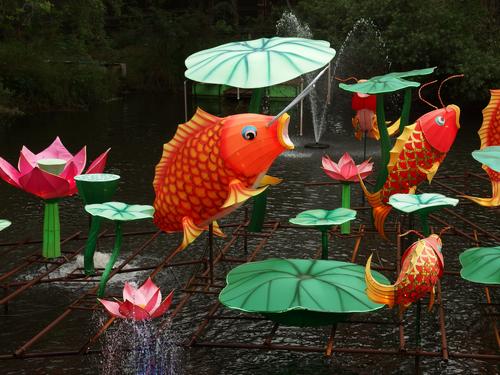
x=283, y=137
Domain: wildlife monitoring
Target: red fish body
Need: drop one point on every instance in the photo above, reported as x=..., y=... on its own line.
x=422, y=265
x=365, y=120
x=489, y=133
x=211, y=166
x=415, y=157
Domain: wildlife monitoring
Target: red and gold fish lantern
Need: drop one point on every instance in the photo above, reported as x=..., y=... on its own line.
x=212, y=165
x=422, y=265
x=415, y=157
x=490, y=136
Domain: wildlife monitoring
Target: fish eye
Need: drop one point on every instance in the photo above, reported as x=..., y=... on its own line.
x=249, y=132
x=439, y=120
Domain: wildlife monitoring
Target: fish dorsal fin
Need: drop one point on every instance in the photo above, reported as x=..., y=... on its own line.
x=489, y=133
x=198, y=122
x=398, y=146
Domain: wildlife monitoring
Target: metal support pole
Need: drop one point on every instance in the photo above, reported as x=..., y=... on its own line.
x=301, y=111
x=185, y=101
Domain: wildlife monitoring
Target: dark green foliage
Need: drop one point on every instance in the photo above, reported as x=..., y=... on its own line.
x=457, y=36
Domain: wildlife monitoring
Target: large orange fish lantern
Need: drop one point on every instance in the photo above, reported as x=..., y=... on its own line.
x=422, y=265
x=416, y=156
x=211, y=166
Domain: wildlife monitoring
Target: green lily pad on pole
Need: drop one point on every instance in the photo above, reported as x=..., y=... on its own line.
x=380, y=85
x=481, y=265
x=118, y=212
x=4, y=224
x=323, y=220
x=302, y=292
x=489, y=156
x=422, y=205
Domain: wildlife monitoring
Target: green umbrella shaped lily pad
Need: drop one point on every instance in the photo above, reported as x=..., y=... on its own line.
x=324, y=218
x=481, y=265
x=258, y=63
x=421, y=203
x=387, y=83
x=301, y=292
x=489, y=156
x=119, y=211
x=4, y=224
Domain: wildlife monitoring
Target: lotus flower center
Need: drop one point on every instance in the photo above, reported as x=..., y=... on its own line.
x=52, y=166
x=304, y=276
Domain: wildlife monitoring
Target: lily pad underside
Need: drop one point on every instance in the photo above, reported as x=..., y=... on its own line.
x=481, y=265
x=119, y=211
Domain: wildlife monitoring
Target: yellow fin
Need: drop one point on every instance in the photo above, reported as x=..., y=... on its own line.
x=431, y=171
x=217, y=231
x=191, y=232
x=412, y=190
x=239, y=193
x=269, y=180
x=398, y=146
x=494, y=201
x=380, y=210
x=489, y=119
x=394, y=127
x=378, y=293
x=200, y=120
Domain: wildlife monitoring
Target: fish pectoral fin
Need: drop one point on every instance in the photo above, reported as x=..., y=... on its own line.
x=191, y=232
x=217, y=231
x=269, y=180
x=431, y=171
x=239, y=193
x=432, y=298
x=412, y=190
x=394, y=127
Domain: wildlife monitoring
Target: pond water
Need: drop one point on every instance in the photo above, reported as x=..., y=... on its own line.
x=136, y=128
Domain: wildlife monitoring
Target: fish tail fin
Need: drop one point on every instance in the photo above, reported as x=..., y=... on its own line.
x=494, y=201
x=380, y=210
x=191, y=232
x=377, y=292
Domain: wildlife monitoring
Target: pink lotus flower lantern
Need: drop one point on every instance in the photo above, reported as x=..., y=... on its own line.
x=346, y=171
x=50, y=176
x=139, y=304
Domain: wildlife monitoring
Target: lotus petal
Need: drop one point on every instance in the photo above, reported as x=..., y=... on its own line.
x=131, y=311
x=27, y=160
x=133, y=295
x=165, y=305
x=55, y=151
x=99, y=164
x=149, y=289
x=154, y=302
x=69, y=173
x=44, y=185
x=112, y=307
x=80, y=159
x=8, y=173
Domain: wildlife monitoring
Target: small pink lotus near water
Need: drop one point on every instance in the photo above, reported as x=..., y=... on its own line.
x=346, y=169
x=139, y=304
x=50, y=173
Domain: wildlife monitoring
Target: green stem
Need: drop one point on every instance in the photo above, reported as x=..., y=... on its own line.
x=324, y=243
x=112, y=259
x=51, y=230
x=258, y=212
x=405, y=112
x=346, y=203
x=385, y=143
x=88, y=259
x=256, y=100
x=424, y=220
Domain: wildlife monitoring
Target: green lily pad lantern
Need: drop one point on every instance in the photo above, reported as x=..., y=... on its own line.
x=379, y=85
x=422, y=205
x=4, y=224
x=95, y=188
x=481, y=265
x=489, y=156
x=257, y=64
x=323, y=220
x=299, y=292
x=118, y=212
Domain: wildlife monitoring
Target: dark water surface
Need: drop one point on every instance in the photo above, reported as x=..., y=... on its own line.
x=136, y=128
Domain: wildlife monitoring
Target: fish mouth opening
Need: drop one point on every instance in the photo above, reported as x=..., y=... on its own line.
x=456, y=109
x=283, y=137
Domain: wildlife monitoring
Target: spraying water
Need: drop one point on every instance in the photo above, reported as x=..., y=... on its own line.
x=289, y=25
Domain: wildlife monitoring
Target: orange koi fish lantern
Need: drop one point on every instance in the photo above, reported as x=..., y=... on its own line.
x=415, y=157
x=422, y=265
x=211, y=166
